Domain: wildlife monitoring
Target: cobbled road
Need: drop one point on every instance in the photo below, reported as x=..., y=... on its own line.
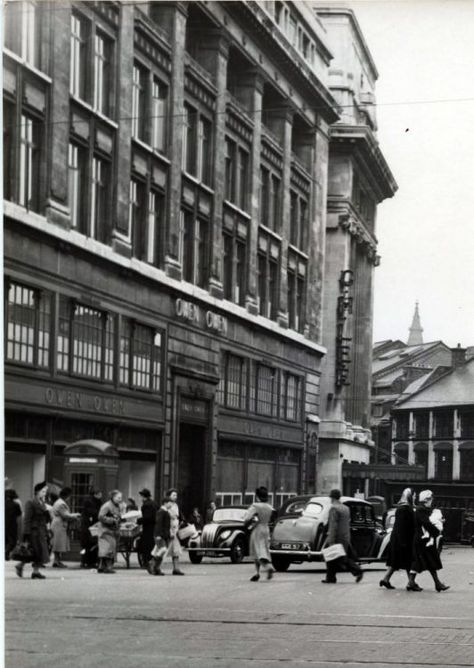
x=215, y=617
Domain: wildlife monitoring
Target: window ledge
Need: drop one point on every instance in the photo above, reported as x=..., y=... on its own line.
x=199, y=183
x=21, y=61
x=237, y=209
x=295, y=249
x=90, y=109
x=276, y=236
x=152, y=151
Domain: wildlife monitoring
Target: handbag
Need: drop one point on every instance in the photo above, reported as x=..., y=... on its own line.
x=186, y=532
x=22, y=552
x=333, y=552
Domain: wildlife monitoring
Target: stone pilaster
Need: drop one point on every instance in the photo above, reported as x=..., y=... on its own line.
x=456, y=460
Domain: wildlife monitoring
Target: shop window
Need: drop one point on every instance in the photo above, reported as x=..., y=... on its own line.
x=140, y=356
x=22, y=23
x=85, y=343
x=28, y=320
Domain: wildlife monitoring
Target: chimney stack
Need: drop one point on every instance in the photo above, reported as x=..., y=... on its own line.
x=458, y=356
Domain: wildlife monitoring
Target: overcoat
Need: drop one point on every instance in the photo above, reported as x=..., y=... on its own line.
x=162, y=525
x=401, y=539
x=59, y=526
x=425, y=557
x=339, y=525
x=89, y=516
x=260, y=534
x=108, y=535
x=35, y=529
x=147, y=541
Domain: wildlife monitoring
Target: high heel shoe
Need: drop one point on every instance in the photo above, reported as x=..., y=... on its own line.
x=387, y=585
x=255, y=578
x=441, y=587
x=413, y=587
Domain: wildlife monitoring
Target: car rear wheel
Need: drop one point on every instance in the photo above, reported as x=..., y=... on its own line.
x=237, y=551
x=195, y=558
x=281, y=564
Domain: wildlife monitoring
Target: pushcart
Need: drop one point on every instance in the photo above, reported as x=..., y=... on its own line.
x=129, y=539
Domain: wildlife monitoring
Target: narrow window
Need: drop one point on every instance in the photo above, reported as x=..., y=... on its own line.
x=159, y=115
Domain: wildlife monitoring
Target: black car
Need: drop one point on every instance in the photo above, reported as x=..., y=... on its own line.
x=225, y=536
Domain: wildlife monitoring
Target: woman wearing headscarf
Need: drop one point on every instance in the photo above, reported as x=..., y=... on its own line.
x=401, y=541
x=108, y=534
x=62, y=517
x=260, y=514
x=35, y=530
x=174, y=549
x=425, y=551
x=89, y=516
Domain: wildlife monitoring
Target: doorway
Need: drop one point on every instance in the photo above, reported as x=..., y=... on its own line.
x=192, y=467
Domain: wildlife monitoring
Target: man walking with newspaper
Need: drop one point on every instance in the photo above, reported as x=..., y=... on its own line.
x=339, y=533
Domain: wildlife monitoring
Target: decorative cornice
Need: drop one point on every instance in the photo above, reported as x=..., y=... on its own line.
x=350, y=224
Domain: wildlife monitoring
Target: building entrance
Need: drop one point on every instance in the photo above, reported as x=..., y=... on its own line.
x=191, y=467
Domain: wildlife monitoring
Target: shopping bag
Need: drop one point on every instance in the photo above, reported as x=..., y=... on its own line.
x=22, y=552
x=332, y=552
x=186, y=532
x=159, y=552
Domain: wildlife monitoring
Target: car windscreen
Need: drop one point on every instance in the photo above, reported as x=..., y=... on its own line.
x=313, y=510
x=229, y=515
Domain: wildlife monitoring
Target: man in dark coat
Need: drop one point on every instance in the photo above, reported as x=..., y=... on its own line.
x=162, y=536
x=13, y=515
x=147, y=540
x=89, y=516
x=339, y=531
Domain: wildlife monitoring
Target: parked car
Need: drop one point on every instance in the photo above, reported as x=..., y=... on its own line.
x=294, y=505
x=225, y=536
x=299, y=538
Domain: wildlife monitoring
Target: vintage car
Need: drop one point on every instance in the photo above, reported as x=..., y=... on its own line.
x=300, y=537
x=225, y=536
x=294, y=505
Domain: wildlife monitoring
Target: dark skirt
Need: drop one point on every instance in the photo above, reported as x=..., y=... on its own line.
x=39, y=543
x=425, y=558
x=399, y=555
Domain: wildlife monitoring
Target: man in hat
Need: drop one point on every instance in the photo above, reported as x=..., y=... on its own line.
x=147, y=540
x=339, y=531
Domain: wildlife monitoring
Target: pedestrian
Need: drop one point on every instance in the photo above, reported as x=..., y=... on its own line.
x=89, y=516
x=210, y=511
x=425, y=551
x=259, y=514
x=400, y=547
x=161, y=537
x=174, y=549
x=35, y=525
x=13, y=515
x=196, y=519
x=339, y=532
x=62, y=518
x=147, y=520
x=108, y=535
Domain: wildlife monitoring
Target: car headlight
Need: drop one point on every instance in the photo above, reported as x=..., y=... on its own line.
x=225, y=534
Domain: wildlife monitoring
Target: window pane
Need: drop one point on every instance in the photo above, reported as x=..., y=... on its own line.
x=88, y=325
x=124, y=361
x=21, y=324
x=29, y=163
x=159, y=115
x=142, y=357
x=102, y=80
x=154, y=223
x=236, y=385
x=99, y=199
x=265, y=389
x=138, y=102
x=78, y=57
x=63, y=334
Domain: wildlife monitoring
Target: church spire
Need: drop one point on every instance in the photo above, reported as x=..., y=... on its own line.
x=416, y=330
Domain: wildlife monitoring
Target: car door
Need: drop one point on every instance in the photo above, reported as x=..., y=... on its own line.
x=362, y=528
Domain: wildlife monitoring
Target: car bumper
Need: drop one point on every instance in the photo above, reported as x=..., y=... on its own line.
x=209, y=550
x=298, y=555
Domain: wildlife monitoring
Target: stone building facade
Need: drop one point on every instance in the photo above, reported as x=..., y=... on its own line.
x=165, y=186
x=358, y=180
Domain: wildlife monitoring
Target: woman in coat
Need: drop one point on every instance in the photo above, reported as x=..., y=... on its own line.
x=425, y=551
x=62, y=516
x=174, y=549
x=108, y=535
x=35, y=531
x=89, y=516
x=401, y=541
x=260, y=514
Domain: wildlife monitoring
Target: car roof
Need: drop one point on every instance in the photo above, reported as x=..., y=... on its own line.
x=343, y=499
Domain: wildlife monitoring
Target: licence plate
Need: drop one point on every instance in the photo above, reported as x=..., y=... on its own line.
x=291, y=546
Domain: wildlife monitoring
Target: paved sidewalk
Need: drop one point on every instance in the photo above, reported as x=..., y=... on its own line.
x=215, y=617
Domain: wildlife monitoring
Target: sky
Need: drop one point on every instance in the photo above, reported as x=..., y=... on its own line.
x=424, y=53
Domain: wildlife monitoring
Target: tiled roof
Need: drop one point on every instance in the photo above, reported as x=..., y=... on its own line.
x=401, y=356
x=456, y=388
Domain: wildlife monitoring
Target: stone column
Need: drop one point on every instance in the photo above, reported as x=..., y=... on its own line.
x=411, y=452
x=214, y=55
x=121, y=234
x=249, y=92
x=317, y=230
x=175, y=16
x=431, y=461
x=456, y=460
x=57, y=204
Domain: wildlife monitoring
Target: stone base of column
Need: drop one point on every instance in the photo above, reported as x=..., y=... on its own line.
x=121, y=245
x=172, y=268
x=216, y=289
x=282, y=320
x=251, y=305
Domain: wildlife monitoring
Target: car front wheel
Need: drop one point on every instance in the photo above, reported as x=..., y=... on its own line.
x=195, y=558
x=237, y=551
x=280, y=563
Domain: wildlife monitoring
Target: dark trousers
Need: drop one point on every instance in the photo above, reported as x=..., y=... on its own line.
x=342, y=564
